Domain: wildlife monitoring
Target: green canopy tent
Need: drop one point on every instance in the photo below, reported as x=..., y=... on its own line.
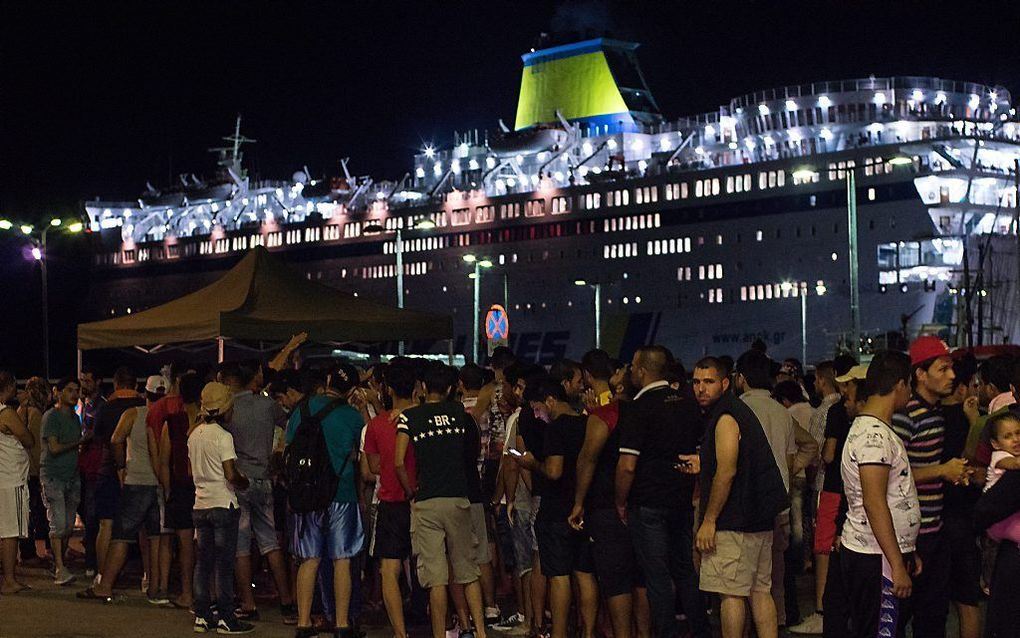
x=261, y=298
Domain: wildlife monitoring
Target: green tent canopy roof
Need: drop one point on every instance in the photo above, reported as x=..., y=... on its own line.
x=261, y=298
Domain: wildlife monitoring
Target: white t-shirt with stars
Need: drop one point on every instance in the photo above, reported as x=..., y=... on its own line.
x=873, y=442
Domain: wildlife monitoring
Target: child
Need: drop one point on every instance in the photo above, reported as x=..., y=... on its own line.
x=1004, y=435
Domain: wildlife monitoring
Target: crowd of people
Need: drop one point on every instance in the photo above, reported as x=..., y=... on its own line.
x=596, y=497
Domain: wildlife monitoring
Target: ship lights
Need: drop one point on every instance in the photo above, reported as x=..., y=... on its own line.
x=940, y=97
x=917, y=95
x=586, y=148
x=558, y=175
x=490, y=163
x=791, y=105
x=733, y=146
x=455, y=167
x=824, y=101
x=473, y=165
x=419, y=172
x=974, y=102
x=709, y=131
x=642, y=166
x=520, y=159
x=879, y=98
x=763, y=110
x=430, y=152
x=749, y=143
x=611, y=144
x=637, y=145
x=826, y=134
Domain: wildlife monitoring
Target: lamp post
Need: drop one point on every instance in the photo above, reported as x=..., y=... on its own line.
x=477, y=276
x=398, y=248
x=597, y=287
x=820, y=290
x=852, y=244
x=39, y=254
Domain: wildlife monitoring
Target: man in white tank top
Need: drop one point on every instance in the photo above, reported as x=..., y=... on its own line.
x=139, y=505
x=15, y=441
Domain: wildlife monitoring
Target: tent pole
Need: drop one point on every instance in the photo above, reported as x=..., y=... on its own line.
x=79, y=363
x=450, y=351
x=219, y=349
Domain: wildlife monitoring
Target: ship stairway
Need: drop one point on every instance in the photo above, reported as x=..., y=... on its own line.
x=943, y=152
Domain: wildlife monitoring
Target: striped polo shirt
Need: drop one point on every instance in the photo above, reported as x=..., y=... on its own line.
x=922, y=427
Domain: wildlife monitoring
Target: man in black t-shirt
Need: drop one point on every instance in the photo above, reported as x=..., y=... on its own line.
x=653, y=498
x=441, y=514
x=562, y=550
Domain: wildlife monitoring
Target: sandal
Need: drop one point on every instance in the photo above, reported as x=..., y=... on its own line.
x=90, y=594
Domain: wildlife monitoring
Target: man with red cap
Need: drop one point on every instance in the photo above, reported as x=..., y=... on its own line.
x=921, y=426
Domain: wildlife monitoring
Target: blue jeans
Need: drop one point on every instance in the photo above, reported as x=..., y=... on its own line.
x=216, y=533
x=663, y=541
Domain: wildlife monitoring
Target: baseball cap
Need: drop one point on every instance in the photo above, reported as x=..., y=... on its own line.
x=344, y=377
x=216, y=398
x=857, y=373
x=927, y=348
x=156, y=384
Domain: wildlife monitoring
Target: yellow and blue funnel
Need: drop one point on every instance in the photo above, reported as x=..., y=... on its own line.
x=595, y=81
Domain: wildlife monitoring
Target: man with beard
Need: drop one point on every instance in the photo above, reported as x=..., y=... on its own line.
x=742, y=492
x=922, y=427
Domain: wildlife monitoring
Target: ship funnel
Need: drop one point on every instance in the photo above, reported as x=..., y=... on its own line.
x=595, y=82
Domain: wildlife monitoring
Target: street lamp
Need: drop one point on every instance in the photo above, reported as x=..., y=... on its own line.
x=398, y=248
x=598, y=309
x=38, y=253
x=808, y=173
x=484, y=262
x=820, y=290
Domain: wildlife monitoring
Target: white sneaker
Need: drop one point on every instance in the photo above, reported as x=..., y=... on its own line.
x=63, y=577
x=810, y=625
x=510, y=623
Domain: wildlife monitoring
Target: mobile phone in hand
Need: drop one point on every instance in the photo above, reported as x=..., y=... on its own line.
x=515, y=452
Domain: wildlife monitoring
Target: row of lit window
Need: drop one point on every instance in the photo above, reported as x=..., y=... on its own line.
x=418, y=244
x=390, y=270
x=620, y=251
x=771, y=179
x=762, y=292
x=669, y=246
x=634, y=222
x=711, y=271
x=619, y=197
x=646, y=195
x=738, y=183
x=715, y=295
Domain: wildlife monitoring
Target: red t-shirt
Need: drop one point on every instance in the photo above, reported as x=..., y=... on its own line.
x=381, y=439
x=163, y=410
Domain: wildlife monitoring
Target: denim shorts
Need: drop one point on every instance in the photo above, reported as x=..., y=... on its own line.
x=524, y=540
x=334, y=533
x=139, y=509
x=62, y=498
x=257, y=517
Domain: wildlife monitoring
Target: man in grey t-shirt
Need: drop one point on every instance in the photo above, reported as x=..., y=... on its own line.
x=253, y=425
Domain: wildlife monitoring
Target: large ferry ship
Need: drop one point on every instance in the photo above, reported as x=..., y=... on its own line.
x=703, y=233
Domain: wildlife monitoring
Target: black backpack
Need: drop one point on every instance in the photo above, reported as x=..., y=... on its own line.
x=311, y=481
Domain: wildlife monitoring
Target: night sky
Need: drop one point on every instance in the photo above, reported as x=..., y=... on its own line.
x=96, y=100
